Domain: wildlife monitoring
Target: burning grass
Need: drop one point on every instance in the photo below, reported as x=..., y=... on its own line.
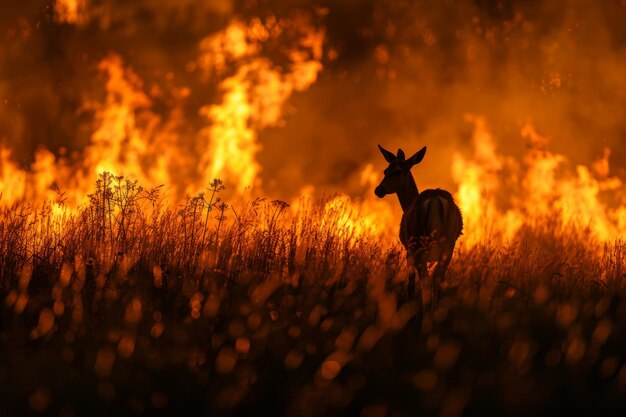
x=132, y=306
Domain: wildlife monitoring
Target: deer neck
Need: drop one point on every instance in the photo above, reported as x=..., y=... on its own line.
x=408, y=194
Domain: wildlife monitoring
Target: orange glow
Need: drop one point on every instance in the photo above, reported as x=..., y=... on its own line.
x=253, y=97
x=541, y=190
x=499, y=195
x=69, y=11
x=195, y=206
x=365, y=216
x=131, y=140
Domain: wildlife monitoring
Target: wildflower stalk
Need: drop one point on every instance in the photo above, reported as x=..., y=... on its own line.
x=215, y=187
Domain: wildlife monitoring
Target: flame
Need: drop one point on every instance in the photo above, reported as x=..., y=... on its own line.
x=70, y=11
x=12, y=178
x=498, y=196
x=131, y=140
x=356, y=218
x=478, y=181
x=254, y=96
x=34, y=184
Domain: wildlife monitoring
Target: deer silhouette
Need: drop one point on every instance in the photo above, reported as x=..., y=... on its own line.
x=431, y=220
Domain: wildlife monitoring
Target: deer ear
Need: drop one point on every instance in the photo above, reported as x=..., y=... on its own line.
x=386, y=154
x=401, y=154
x=417, y=158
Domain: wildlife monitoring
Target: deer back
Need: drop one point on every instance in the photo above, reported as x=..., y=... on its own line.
x=434, y=219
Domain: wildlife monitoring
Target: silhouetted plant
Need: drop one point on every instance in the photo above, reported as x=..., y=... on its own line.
x=214, y=309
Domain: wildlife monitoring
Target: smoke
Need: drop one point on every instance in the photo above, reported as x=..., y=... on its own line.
x=400, y=73
x=419, y=68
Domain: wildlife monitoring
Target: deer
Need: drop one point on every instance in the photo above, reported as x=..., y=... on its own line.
x=431, y=221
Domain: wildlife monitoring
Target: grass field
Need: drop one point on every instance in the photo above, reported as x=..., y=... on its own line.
x=130, y=307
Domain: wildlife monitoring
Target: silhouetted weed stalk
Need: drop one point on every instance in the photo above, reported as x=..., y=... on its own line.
x=241, y=297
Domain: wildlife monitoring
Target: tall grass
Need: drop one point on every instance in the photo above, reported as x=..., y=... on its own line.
x=129, y=305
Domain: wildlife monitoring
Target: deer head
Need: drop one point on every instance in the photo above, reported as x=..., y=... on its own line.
x=398, y=173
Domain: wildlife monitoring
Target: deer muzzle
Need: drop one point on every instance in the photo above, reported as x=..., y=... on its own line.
x=380, y=191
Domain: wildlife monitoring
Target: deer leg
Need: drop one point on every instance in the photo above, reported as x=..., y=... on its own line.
x=422, y=272
x=438, y=276
x=411, y=284
x=411, y=287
